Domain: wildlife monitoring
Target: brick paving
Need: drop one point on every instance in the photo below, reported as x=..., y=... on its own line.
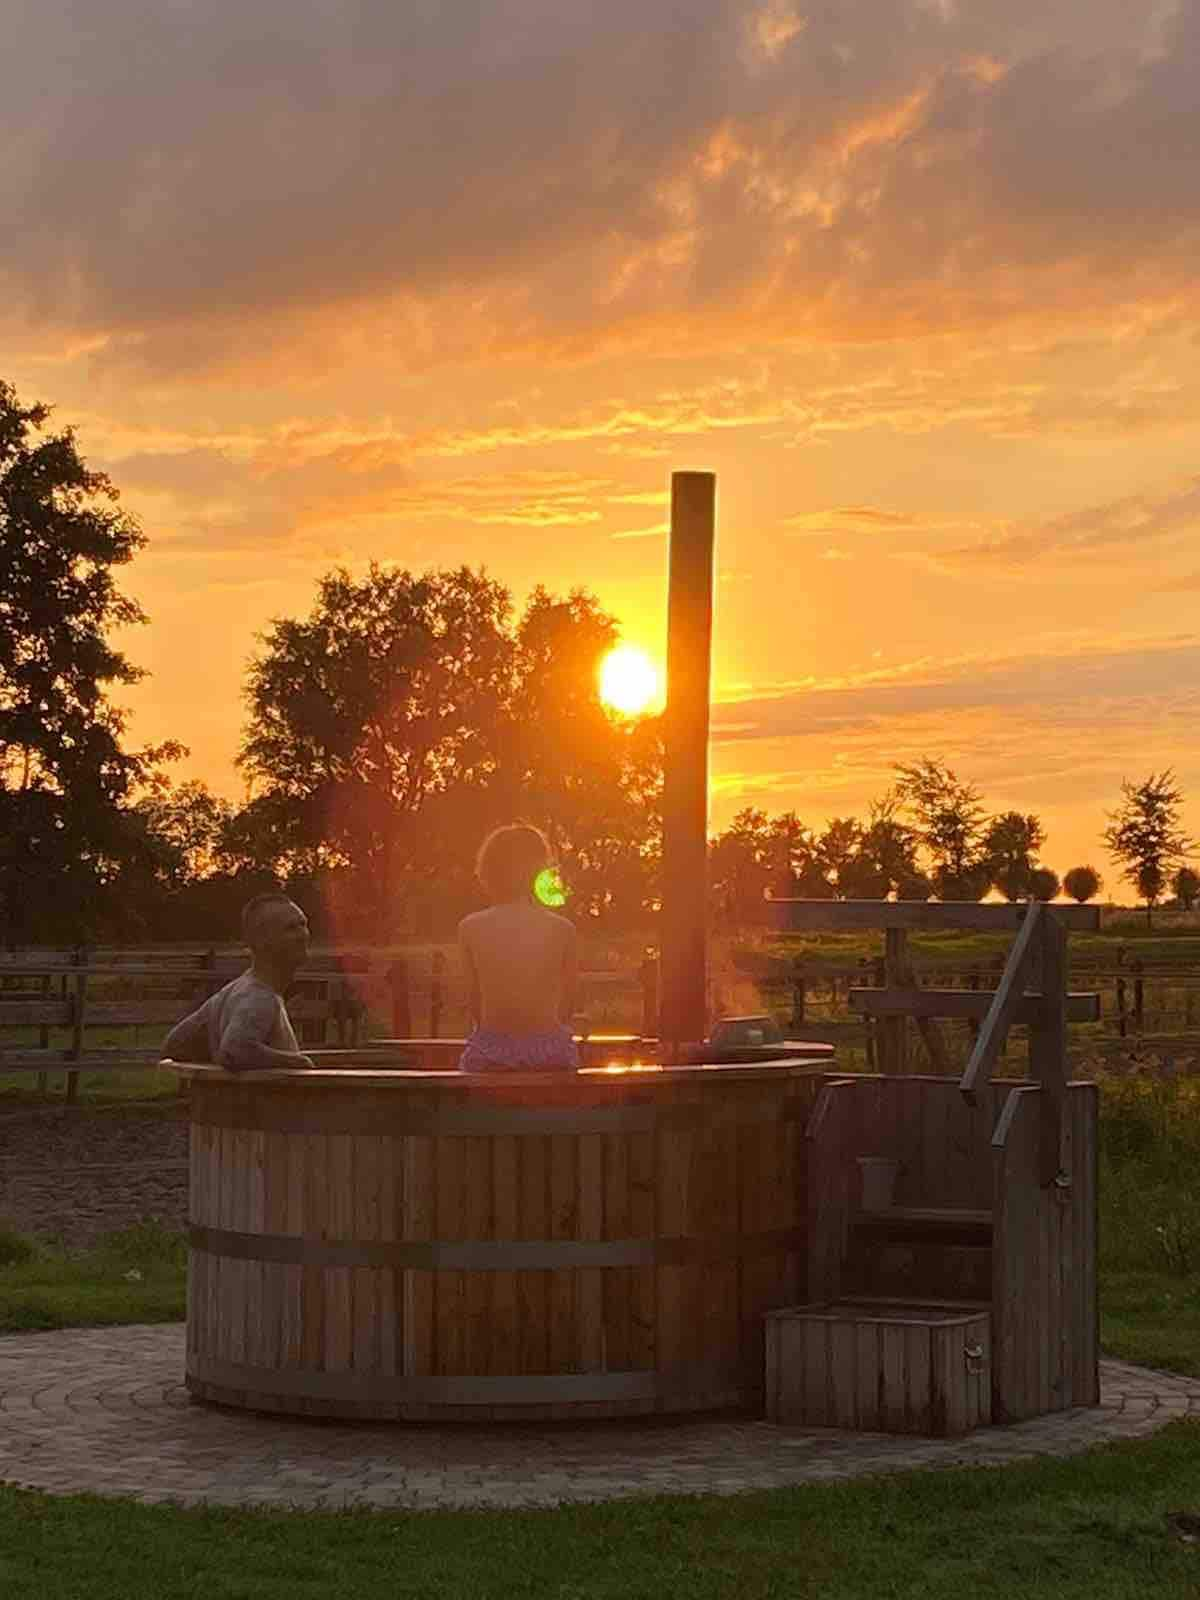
x=105, y=1410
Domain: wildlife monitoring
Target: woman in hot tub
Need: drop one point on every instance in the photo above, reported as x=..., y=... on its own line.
x=520, y=961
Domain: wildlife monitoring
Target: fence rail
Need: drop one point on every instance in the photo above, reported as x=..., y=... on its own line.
x=56, y=992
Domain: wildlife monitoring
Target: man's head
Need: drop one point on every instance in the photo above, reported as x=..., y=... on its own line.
x=275, y=928
x=509, y=861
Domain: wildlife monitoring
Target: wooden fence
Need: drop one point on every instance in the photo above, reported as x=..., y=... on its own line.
x=344, y=997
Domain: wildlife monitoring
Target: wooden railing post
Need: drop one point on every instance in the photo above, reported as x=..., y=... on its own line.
x=1048, y=1047
x=1005, y=1003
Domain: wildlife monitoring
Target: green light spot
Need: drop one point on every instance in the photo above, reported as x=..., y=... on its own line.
x=548, y=887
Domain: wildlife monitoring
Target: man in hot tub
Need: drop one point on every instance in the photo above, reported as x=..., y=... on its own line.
x=245, y=1027
x=520, y=962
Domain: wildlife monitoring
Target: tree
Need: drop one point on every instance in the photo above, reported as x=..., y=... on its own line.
x=1043, y=883
x=591, y=778
x=65, y=776
x=758, y=854
x=1010, y=844
x=190, y=824
x=949, y=822
x=407, y=715
x=885, y=860
x=837, y=851
x=1082, y=883
x=1186, y=887
x=364, y=715
x=1145, y=836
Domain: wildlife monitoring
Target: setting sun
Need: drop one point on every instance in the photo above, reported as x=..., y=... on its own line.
x=628, y=680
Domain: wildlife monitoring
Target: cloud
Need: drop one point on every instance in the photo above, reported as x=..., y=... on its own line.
x=1075, y=680
x=194, y=184
x=1113, y=529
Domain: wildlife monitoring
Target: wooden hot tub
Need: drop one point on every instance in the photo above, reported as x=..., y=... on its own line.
x=418, y=1245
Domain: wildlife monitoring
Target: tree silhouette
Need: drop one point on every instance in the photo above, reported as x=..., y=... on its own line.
x=1145, y=836
x=589, y=777
x=1043, y=883
x=1185, y=886
x=1082, y=883
x=885, y=860
x=949, y=822
x=408, y=714
x=387, y=696
x=64, y=773
x=1010, y=845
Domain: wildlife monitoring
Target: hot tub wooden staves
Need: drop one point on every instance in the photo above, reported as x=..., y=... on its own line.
x=408, y=1245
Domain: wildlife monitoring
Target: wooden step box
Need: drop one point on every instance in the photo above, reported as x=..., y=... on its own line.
x=880, y=1367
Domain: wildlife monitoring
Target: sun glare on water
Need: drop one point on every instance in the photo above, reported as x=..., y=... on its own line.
x=628, y=680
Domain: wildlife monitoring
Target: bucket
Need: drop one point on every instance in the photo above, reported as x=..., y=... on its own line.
x=878, y=1181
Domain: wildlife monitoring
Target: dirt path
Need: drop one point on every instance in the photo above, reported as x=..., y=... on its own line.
x=76, y=1173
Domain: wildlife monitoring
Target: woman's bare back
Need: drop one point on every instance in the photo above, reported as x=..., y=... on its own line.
x=520, y=962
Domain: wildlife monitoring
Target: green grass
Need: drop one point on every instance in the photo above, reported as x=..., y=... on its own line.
x=1152, y=1319
x=117, y=1087
x=1093, y=1527
x=136, y=1275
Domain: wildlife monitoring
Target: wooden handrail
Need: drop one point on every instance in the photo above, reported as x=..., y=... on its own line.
x=1006, y=1002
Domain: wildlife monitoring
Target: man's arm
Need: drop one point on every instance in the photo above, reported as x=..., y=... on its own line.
x=244, y=1047
x=188, y=1040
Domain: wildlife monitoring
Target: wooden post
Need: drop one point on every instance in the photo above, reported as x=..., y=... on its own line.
x=397, y=977
x=685, y=780
x=436, y=994
x=798, y=995
x=649, y=978
x=77, y=1025
x=1048, y=1046
x=1139, y=996
x=1122, y=1024
x=894, y=1030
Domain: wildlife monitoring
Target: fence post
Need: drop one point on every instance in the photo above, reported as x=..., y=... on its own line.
x=893, y=1033
x=1048, y=1045
x=397, y=977
x=78, y=1018
x=436, y=994
x=1139, y=996
x=798, y=995
x=973, y=979
x=649, y=977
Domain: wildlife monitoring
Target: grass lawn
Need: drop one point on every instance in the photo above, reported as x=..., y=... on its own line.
x=128, y=1086
x=1095, y=1526
x=136, y=1275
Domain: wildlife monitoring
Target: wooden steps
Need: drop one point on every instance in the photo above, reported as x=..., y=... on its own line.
x=885, y=1366
x=930, y=1253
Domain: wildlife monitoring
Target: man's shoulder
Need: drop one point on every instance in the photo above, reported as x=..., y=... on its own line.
x=247, y=989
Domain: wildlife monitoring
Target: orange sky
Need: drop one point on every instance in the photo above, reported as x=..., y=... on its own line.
x=320, y=283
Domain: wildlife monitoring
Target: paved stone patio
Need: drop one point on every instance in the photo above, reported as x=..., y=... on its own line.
x=105, y=1410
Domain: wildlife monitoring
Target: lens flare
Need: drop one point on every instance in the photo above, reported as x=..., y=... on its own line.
x=549, y=888
x=628, y=680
